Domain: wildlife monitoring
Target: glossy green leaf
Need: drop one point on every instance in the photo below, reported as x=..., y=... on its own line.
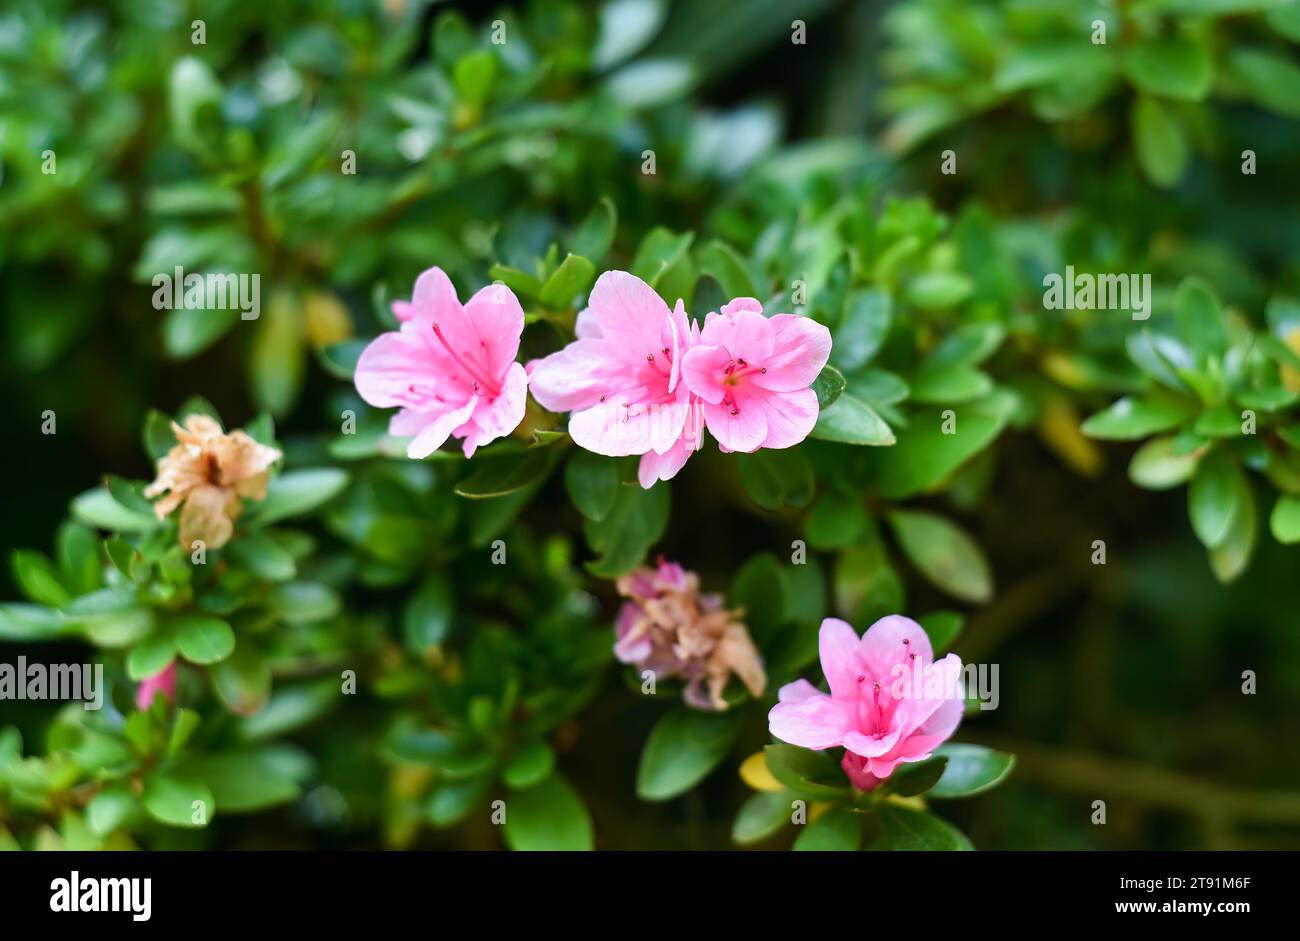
x=548, y=816
x=683, y=747
x=944, y=554
x=971, y=769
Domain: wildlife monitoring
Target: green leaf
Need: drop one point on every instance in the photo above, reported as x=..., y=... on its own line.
x=531, y=765
x=626, y=27
x=868, y=313
x=811, y=774
x=340, y=359
x=971, y=769
x=925, y=456
x=297, y=492
x=1160, y=144
x=1270, y=79
x=501, y=474
x=836, y=830
x=942, y=627
x=592, y=481
x=635, y=523
x=151, y=656
x=277, y=360
x=1170, y=67
x=77, y=551
x=683, y=747
x=1215, y=496
x=243, y=680
x=1229, y=559
x=548, y=816
x=1156, y=466
x=158, y=435
x=518, y=281
x=1128, y=418
x=251, y=779
x=204, y=639
x=305, y=602
x=907, y=829
x=427, y=616
x=25, y=622
x=110, y=808
x=950, y=384
x=1285, y=520
x=595, y=235
x=194, y=103
x=473, y=75
x=835, y=521
x=938, y=290
x=453, y=801
x=965, y=347
x=289, y=709
x=660, y=251
x=260, y=554
x=944, y=554
x=97, y=508
x=1200, y=318
x=178, y=802
x=775, y=479
x=852, y=421
x=38, y=578
x=760, y=816
x=572, y=278
x=916, y=777
x=722, y=262
x=759, y=588
x=829, y=386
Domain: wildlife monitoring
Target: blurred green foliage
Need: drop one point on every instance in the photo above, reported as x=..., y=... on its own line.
x=955, y=473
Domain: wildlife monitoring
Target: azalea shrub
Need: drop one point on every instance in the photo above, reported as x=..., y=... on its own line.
x=601, y=447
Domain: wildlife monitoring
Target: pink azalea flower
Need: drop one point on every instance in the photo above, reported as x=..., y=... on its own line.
x=451, y=369
x=889, y=703
x=164, y=681
x=753, y=374
x=621, y=378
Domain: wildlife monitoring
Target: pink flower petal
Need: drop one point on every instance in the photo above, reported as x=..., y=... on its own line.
x=740, y=427
x=815, y=722
x=440, y=426
x=497, y=417
x=790, y=416
x=797, y=691
x=389, y=365
x=746, y=335
x=703, y=369
x=891, y=639
x=837, y=645
x=801, y=346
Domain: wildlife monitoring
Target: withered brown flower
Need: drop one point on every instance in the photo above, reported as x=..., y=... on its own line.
x=208, y=474
x=670, y=627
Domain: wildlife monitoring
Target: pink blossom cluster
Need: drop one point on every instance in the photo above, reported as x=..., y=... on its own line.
x=640, y=378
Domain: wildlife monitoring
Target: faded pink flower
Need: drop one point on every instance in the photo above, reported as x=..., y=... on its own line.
x=451, y=368
x=622, y=381
x=753, y=375
x=889, y=703
x=208, y=474
x=164, y=681
x=670, y=627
